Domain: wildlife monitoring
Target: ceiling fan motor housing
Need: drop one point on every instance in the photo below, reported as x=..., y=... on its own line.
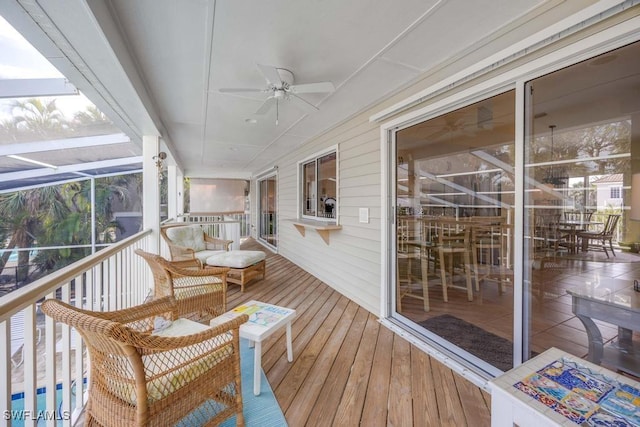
x=286, y=77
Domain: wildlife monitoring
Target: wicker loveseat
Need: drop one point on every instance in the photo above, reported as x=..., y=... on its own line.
x=191, y=242
x=151, y=368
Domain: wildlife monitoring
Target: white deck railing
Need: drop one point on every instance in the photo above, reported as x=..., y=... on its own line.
x=52, y=356
x=243, y=219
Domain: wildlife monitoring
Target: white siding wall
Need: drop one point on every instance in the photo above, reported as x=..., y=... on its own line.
x=351, y=262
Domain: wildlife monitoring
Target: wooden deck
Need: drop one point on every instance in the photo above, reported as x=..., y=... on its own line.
x=348, y=370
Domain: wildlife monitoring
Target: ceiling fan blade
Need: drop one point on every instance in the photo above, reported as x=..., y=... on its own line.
x=239, y=90
x=303, y=104
x=313, y=87
x=271, y=75
x=266, y=105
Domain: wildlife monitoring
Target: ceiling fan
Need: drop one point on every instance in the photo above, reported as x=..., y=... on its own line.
x=280, y=88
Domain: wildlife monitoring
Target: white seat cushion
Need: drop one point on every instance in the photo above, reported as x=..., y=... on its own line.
x=204, y=255
x=190, y=236
x=236, y=259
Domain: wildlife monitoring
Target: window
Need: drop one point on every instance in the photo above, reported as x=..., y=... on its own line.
x=319, y=190
x=616, y=192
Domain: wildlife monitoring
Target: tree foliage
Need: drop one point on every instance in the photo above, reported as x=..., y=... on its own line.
x=58, y=215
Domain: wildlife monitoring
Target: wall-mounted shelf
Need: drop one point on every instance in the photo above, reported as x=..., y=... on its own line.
x=323, y=228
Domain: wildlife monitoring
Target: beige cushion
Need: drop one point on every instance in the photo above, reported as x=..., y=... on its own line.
x=161, y=385
x=236, y=259
x=190, y=236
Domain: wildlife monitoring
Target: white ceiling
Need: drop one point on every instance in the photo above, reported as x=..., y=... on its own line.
x=156, y=66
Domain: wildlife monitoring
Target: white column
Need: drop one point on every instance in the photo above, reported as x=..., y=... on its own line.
x=151, y=189
x=172, y=192
x=180, y=193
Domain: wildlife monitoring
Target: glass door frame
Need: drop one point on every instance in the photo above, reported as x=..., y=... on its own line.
x=266, y=177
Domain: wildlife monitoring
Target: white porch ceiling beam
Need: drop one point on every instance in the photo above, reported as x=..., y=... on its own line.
x=492, y=201
x=79, y=167
x=62, y=144
x=510, y=170
x=22, y=88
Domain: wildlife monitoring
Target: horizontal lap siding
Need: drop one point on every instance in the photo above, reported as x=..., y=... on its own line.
x=351, y=262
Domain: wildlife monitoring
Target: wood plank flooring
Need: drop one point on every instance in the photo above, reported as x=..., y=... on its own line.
x=348, y=370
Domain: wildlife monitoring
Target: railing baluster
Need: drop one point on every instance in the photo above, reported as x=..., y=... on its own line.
x=112, y=278
x=50, y=360
x=30, y=369
x=5, y=369
x=64, y=345
x=79, y=365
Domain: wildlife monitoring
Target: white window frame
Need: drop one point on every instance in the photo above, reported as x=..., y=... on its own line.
x=615, y=192
x=271, y=172
x=300, y=175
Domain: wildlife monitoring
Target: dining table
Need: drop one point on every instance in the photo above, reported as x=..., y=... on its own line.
x=573, y=228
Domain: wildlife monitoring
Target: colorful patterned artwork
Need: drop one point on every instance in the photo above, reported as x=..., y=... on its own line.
x=583, y=396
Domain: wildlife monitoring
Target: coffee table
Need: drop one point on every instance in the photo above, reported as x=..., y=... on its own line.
x=264, y=320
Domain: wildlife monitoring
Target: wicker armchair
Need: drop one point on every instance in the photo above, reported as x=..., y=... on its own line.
x=146, y=377
x=191, y=242
x=184, y=279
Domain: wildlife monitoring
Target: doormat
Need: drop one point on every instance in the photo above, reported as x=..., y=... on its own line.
x=489, y=347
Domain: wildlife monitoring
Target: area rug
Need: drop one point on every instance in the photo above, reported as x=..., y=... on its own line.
x=489, y=347
x=262, y=410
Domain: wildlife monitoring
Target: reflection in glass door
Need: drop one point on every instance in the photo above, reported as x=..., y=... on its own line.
x=455, y=188
x=455, y=191
x=581, y=165
x=267, y=223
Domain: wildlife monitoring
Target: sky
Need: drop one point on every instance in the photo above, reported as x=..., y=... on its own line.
x=20, y=60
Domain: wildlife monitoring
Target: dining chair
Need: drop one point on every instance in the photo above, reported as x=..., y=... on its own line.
x=490, y=252
x=598, y=240
x=409, y=284
x=454, y=252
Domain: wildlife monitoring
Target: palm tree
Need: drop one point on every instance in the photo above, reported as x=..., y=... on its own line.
x=39, y=116
x=24, y=213
x=8, y=130
x=56, y=215
x=91, y=116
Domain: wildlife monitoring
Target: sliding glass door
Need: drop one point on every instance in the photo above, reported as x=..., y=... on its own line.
x=267, y=211
x=455, y=197
x=583, y=148
x=457, y=186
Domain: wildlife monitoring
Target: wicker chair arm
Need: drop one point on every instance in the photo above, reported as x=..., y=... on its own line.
x=150, y=344
x=215, y=243
x=186, y=263
x=200, y=272
x=179, y=253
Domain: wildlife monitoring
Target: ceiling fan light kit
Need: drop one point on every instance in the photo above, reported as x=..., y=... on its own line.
x=280, y=88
